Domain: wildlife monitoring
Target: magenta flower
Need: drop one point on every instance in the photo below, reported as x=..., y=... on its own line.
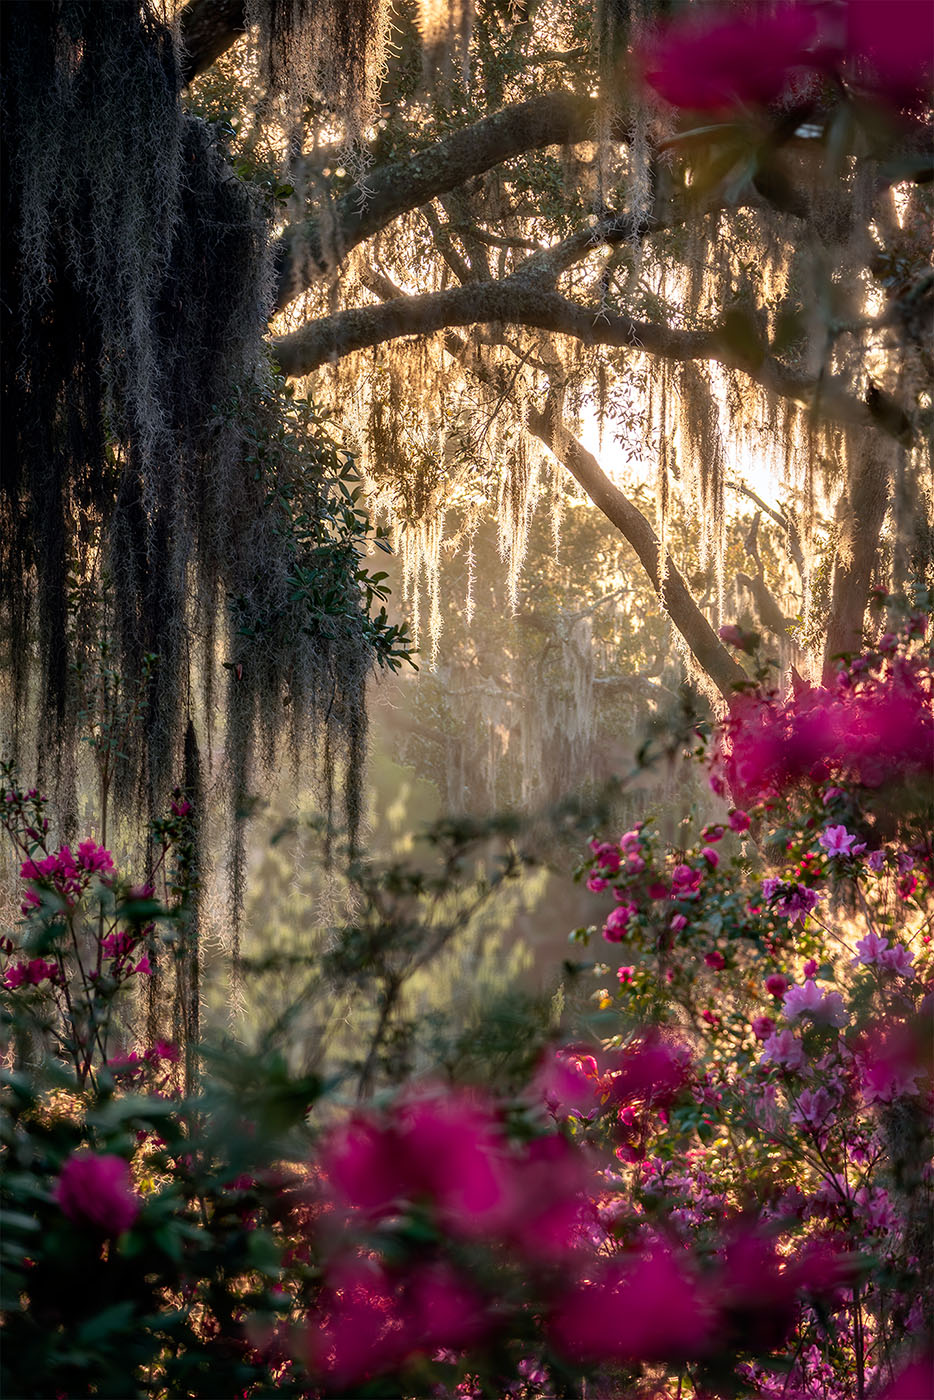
x=444, y=1149
x=889, y=1062
x=614, y=930
x=650, y=1071
x=776, y=985
x=678, y=923
x=724, y=60
x=647, y=1309
x=762, y=1027
x=607, y=856
x=596, y=883
x=715, y=960
x=569, y=1083
x=98, y=1190
x=739, y=821
x=94, y=858
x=892, y=44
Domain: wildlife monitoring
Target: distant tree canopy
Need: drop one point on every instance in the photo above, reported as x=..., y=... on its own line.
x=471, y=229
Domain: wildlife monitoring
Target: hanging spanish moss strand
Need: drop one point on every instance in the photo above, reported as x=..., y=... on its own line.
x=446, y=27
x=146, y=460
x=329, y=51
x=191, y=882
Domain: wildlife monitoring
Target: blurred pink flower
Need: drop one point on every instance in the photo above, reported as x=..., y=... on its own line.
x=607, y=856
x=869, y=949
x=726, y=59
x=912, y=1383
x=614, y=930
x=644, y=1309
x=569, y=1083
x=651, y=1071
x=97, y=1190
x=892, y=44
x=446, y=1149
x=889, y=1062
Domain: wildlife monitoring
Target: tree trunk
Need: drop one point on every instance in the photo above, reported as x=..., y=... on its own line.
x=863, y=516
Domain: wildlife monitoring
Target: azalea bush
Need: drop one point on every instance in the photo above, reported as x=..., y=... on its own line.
x=717, y=1181
x=787, y=950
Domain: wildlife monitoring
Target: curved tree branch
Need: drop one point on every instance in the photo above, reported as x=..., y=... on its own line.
x=208, y=29
x=306, y=253
x=514, y=301
x=706, y=647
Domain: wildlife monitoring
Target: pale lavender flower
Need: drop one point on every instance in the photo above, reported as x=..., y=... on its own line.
x=783, y=1049
x=821, y=1006
x=837, y=841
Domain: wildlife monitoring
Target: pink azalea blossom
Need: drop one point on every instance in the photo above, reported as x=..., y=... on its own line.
x=738, y=820
x=898, y=960
x=614, y=930
x=94, y=858
x=646, y=1309
x=447, y=1149
x=651, y=1071
x=725, y=59
x=596, y=883
x=809, y=1000
x=813, y=1108
x=716, y=960
x=776, y=985
x=569, y=1084
x=891, y=45
x=790, y=900
x=762, y=1027
x=912, y=1381
x=607, y=856
x=837, y=841
x=678, y=923
x=711, y=857
x=784, y=1050
x=869, y=949
x=97, y=1190
x=889, y=1064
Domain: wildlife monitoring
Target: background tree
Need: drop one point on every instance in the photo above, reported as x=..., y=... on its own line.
x=477, y=229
